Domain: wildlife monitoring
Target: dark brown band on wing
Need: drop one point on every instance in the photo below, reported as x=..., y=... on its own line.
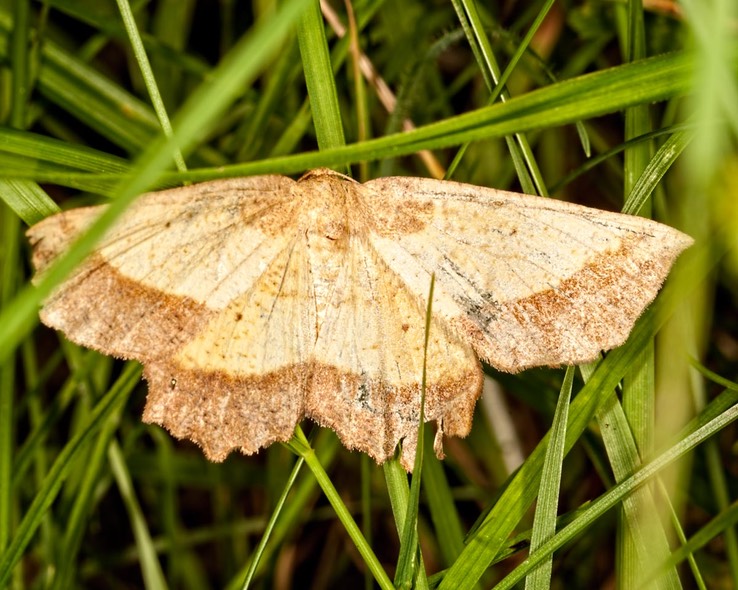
x=100, y=308
x=592, y=311
x=373, y=417
x=222, y=412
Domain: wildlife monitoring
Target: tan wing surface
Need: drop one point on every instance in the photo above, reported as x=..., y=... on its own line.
x=529, y=281
x=240, y=382
x=367, y=372
x=206, y=288
x=172, y=260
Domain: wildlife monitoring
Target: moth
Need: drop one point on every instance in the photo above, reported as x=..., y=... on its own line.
x=255, y=302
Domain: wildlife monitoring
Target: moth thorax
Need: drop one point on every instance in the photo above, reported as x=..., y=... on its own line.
x=328, y=224
x=333, y=229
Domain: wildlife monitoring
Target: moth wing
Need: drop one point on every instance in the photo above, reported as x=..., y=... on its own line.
x=168, y=263
x=240, y=381
x=367, y=376
x=206, y=286
x=528, y=281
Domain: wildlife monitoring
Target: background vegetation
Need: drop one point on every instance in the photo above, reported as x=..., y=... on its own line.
x=612, y=104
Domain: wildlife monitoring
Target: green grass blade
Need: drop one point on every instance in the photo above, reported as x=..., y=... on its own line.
x=566, y=102
x=299, y=444
x=655, y=170
x=35, y=439
x=261, y=547
x=544, y=523
x=319, y=78
x=253, y=131
x=398, y=490
x=646, y=539
x=47, y=149
x=587, y=96
x=9, y=279
x=441, y=505
x=615, y=495
x=20, y=43
x=150, y=567
x=148, y=75
x=82, y=91
x=27, y=200
x=638, y=384
x=522, y=155
x=84, y=504
x=407, y=563
x=113, y=400
x=595, y=161
x=291, y=514
x=717, y=526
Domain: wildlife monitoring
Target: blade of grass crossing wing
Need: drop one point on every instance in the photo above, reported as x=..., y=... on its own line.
x=544, y=521
x=409, y=548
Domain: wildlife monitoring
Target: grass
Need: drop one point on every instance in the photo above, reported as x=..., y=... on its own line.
x=609, y=104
